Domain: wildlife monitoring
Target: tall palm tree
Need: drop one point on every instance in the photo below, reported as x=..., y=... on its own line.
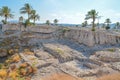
x=26, y=10
x=83, y=24
x=108, y=21
x=21, y=19
x=55, y=21
x=86, y=23
x=117, y=25
x=34, y=16
x=47, y=22
x=6, y=13
x=92, y=15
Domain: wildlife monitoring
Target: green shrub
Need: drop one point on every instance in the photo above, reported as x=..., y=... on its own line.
x=1, y=66
x=65, y=29
x=111, y=50
x=58, y=50
x=93, y=29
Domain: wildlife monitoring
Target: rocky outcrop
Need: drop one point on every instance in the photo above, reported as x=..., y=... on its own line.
x=91, y=38
x=106, y=56
x=116, y=66
x=82, y=36
x=62, y=52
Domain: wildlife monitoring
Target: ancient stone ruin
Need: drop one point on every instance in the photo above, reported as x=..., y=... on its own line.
x=76, y=51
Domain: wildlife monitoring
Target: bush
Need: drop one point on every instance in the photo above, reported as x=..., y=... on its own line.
x=93, y=29
x=58, y=50
x=16, y=58
x=111, y=50
x=4, y=22
x=107, y=27
x=1, y=66
x=3, y=73
x=65, y=29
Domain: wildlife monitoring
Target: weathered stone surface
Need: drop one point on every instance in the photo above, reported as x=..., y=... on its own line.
x=51, y=55
x=62, y=52
x=45, y=71
x=106, y=56
x=104, y=71
x=77, y=69
x=116, y=66
x=39, y=61
x=90, y=38
x=82, y=36
x=91, y=65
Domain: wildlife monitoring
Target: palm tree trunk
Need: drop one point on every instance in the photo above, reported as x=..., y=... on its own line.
x=34, y=21
x=28, y=16
x=108, y=24
x=5, y=19
x=93, y=26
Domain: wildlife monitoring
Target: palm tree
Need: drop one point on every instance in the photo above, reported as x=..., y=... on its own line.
x=92, y=15
x=117, y=25
x=21, y=21
x=26, y=9
x=85, y=23
x=108, y=21
x=47, y=22
x=55, y=21
x=6, y=13
x=34, y=16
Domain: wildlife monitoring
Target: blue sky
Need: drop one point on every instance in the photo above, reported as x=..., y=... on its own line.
x=66, y=11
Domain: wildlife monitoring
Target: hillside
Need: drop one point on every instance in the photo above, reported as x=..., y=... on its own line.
x=53, y=53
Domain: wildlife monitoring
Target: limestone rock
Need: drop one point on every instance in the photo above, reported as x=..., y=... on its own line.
x=116, y=66
x=62, y=52
x=107, y=56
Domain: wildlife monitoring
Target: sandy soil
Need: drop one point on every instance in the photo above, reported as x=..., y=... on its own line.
x=110, y=77
x=60, y=76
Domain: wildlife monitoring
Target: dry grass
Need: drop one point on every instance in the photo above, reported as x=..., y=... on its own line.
x=16, y=58
x=28, y=52
x=60, y=76
x=13, y=74
x=3, y=73
x=110, y=77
